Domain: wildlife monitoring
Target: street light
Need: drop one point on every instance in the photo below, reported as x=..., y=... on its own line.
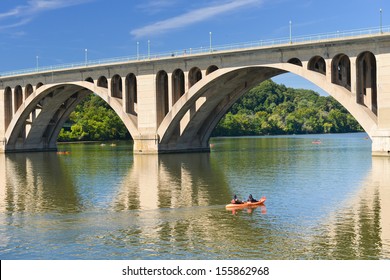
x=290, y=32
x=37, y=62
x=380, y=11
x=211, y=50
x=137, y=50
x=148, y=49
x=86, y=57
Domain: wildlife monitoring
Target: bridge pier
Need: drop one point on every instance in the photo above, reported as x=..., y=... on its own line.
x=150, y=144
x=146, y=144
x=381, y=144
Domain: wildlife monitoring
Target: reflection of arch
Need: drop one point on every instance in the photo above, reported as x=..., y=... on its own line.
x=366, y=80
x=18, y=97
x=131, y=93
x=295, y=61
x=7, y=106
x=341, y=71
x=102, y=82
x=177, y=85
x=194, y=76
x=28, y=90
x=116, y=86
x=211, y=69
x=317, y=64
x=56, y=191
x=161, y=96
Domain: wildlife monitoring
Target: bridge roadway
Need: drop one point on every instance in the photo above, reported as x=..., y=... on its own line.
x=172, y=104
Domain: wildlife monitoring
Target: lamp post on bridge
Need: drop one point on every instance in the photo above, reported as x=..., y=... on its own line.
x=211, y=48
x=86, y=57
x=148, y=49
x=380, y=20
x=137, y=50
x=37, y=62
x=290, y=32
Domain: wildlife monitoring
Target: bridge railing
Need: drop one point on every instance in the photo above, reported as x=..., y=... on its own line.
x=205, y=50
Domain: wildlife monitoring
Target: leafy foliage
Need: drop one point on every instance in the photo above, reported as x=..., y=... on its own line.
x=270, y=108
x=92, y=120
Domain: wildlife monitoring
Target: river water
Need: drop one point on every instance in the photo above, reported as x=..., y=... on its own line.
x=325, y=200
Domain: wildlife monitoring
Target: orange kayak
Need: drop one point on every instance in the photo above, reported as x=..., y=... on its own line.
x=246, y=204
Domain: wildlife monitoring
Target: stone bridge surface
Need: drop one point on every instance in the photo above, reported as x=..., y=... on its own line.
x=172, y=104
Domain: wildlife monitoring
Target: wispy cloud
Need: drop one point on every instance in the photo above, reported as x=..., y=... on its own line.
x=23, y=14
x=192, y=17
x=156, y=6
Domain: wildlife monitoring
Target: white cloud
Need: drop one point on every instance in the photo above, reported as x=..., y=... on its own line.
x=156, y=6
x=191, y=17
x=23, y=14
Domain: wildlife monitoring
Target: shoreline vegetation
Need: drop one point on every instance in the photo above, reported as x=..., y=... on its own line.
x=267, y=109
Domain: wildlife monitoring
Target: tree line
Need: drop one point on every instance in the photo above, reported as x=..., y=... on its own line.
x=273, y=109
x=267, y=109
x=93, y=120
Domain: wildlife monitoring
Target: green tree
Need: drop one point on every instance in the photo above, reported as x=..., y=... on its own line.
x=94, y=120
x=270, y=108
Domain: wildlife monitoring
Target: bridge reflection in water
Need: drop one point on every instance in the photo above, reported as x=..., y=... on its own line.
x=171, y=206
x=361, y=228
x=171, y=181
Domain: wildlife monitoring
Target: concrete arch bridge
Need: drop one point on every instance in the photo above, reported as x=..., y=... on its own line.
x=172, y=104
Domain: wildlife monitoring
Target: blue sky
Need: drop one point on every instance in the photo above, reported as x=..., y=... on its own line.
x=59, y=31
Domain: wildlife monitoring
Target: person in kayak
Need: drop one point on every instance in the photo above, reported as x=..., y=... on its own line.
x=235, y=200
x=251, y=199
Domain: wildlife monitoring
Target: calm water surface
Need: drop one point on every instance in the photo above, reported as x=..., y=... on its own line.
x=324, y=201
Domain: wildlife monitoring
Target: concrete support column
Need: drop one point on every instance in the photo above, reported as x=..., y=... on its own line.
x=383, y=91
x=170, y=91
x=353, y=75
x=109, y=88
x=328, y=70
x=2, y=121
x=146, y=144
x=186, y=81
x=124, y=95
x=381, y=143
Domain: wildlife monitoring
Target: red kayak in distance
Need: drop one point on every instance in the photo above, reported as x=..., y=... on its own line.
x=246, y=204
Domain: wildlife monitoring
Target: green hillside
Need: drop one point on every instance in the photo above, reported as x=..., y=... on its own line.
x=276, y=109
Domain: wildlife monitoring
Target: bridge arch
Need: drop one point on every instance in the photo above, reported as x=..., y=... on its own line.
x=295, y=61
x=8, y=112
x=366, y=77
x=162, y=100
x=116, y=86
x=211, y=69
x=194, y=76
x=317, y=64
x=201, y=108
x=102, y=82
x=18, y=97
x=28, y=90
x=89, y=79
x=178, y=85
x=131, y=94
x=341, y=71
x=54, y=103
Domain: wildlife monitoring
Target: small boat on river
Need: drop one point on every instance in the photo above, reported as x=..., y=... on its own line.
x=246, y=204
